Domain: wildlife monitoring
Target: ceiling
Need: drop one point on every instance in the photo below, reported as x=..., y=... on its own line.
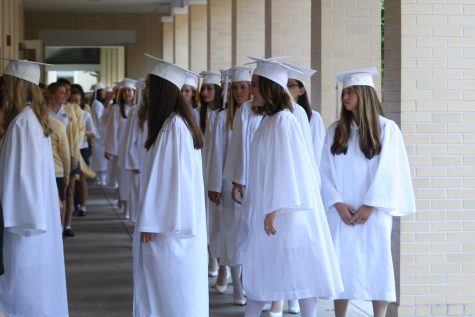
x=162, y=6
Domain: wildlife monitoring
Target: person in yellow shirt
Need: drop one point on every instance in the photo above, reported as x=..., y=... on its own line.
x=62, y=159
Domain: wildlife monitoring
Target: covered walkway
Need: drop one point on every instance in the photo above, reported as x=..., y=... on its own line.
x=99, y=267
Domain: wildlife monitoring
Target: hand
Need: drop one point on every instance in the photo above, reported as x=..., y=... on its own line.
x=346, y=213
x=214, y=197
x=269, y=223
x=362, y=214
x=74, y=163
x=146, y=237
x=108, y=156
x=237, y=189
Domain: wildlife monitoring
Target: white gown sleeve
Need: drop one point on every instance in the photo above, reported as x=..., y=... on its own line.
x=217, y=153
x=111, y=134
x=22, y=187
x=130, y=147
x=329, y=189
x=234, y=167
x=391, y=188
x=287, y=175
x=317, y=129
x=173, y=184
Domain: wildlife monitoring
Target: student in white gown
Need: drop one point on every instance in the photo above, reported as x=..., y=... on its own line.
x=114, y=135
x=98, y=161
x=366, y=177
x=34, y=283
x=296, y=86
x=190, y=94
x=170, y=260
x=219, y=189
x=132, y=151
x=289, y=254
x=210, y=102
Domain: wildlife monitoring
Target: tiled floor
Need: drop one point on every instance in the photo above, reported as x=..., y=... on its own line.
x=99, y=268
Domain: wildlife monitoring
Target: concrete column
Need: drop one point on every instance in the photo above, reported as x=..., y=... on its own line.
x=345, y=35
x=112, y=64
x=219, y=34
x=167, y=38
x=248, y=30
x=198, y=37
x=180, y=37
x=288, y=30
x=11, y=23
x=431, y=88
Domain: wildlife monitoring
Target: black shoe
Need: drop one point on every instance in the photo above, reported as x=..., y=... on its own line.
x=68, y=233
x=81, y=213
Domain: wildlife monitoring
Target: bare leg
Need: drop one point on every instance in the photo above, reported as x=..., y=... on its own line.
x=212, y=264
x=277, y=306
x=308, y=307
x=125, y=214
x=68, y=218
x=222, y=275
x=340, y=307
x=253, y=308
x=379, y=308
x=83, y=190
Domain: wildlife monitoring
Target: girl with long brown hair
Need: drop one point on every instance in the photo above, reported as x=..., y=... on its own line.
x=219, y=189
x=289, y=252
x=170, y=235
x=34, y=283
x=365, y=181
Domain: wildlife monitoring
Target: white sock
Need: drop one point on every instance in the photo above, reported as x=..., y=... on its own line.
x=238, y=292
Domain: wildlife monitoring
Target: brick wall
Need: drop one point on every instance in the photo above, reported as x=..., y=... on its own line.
x=219, y=34
x=198, y=46
x=437, y=71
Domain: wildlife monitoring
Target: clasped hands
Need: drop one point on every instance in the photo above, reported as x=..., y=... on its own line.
x=352, y=217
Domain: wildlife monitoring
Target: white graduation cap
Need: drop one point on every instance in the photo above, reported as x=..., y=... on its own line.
x=240, y=73
x=358, y=77
x=23, y=69
x=128, y=83
x=211, y=78
x=169, y=71
x=109, y=89
x=303, y=73
x=273, y=70
x=99, y=85
x=191, y=80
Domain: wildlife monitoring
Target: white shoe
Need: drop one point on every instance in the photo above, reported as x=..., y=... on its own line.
x=240, y=301
x=267, y=306
x=279, y=314
x=213, y=273
x=293, y=309
x=221, y=288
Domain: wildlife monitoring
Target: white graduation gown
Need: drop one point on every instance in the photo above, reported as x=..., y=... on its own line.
x=384, y=182
x=317, y=130
x=113, y=137
x=34, y=283
x=213, y=212
x=245, y=125
x=299, y=261
x=131, y=156
x=98, y=161
x=170, y=272
x=231, y=211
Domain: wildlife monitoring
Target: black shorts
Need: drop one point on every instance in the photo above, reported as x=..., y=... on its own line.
x=85, y=155
x=60, y=184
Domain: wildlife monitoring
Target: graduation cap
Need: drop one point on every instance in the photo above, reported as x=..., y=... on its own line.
x=23, y=69
x=303, y=73
x=240, y=73
x=358, y=77
x=128, y=83
x=140, y=84
x=191, y=80
x=273, y=70
x=169, y=71
x=211, y=78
